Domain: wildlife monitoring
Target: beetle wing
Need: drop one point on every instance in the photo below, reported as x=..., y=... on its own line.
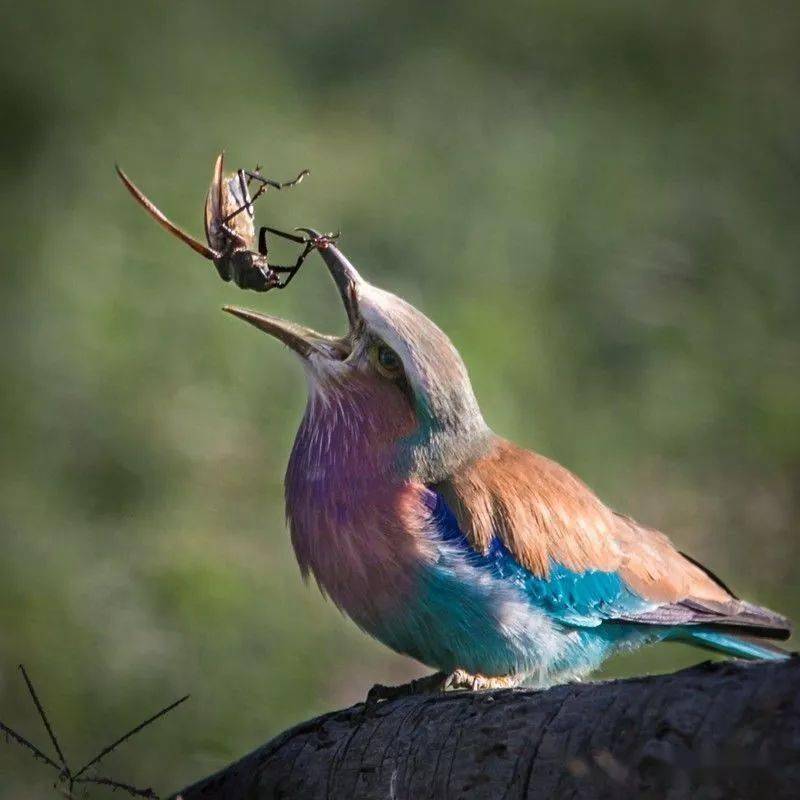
x=213, y=215
x=237, y=205
x=228, y=203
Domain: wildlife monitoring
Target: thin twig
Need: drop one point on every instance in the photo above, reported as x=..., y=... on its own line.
x=132, y=790
x=19, y=739
x=64, y=773
x=106, y=750
x=44, y=719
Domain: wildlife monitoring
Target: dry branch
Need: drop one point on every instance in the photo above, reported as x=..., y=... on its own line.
x=723, y=730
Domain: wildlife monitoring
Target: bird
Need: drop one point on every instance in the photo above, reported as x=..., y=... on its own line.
x=487, y=562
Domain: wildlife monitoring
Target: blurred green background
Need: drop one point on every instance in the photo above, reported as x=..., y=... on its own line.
x=599, y=202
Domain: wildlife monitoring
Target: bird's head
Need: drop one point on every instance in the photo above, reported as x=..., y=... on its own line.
x=394, y=377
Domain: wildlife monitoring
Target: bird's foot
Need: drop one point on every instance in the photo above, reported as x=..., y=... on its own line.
x=430, y=683
x=461, y=679
x=457, y=680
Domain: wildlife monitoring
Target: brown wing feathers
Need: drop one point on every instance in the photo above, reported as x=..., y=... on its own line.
x=536, y=507
x=544, y=514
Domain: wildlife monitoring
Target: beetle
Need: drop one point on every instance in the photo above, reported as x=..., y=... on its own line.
x=230, y=229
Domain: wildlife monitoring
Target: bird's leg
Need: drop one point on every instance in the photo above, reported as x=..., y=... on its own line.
x=461, y=679
x=430, y=683
x=458, y=679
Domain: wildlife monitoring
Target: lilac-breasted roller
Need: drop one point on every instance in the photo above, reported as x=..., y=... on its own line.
x=488, y=562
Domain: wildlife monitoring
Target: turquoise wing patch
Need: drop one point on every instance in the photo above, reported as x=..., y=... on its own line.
x=583, y=599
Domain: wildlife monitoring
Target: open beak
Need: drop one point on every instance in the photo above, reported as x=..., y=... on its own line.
x=306, y=341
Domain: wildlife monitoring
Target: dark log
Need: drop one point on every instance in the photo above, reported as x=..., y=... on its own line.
x=723, y=730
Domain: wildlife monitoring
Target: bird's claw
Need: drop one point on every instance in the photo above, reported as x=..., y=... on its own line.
x=457, y=680
x=460, y=679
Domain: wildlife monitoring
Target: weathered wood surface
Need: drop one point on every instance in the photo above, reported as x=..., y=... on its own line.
x=725, y=730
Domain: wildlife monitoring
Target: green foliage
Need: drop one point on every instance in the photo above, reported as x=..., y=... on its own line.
x=598, y=202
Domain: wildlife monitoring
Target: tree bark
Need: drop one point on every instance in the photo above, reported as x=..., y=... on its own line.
x=723, y=730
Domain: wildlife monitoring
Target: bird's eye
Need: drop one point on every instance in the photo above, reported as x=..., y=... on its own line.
x=387, y=360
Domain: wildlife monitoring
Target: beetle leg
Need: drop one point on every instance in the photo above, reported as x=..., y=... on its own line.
x=290, y=272
x=320, y=239
x=249, y=174
x=262, y=242
x=232, y=233
x=246, y=206
x=265, y=182
x=290, y=236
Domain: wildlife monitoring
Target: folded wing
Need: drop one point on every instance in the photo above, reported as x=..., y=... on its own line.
x=585, y=561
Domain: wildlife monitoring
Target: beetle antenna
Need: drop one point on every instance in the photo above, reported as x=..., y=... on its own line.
x=162, y=220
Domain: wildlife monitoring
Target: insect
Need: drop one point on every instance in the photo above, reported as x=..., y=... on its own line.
x=230, y=229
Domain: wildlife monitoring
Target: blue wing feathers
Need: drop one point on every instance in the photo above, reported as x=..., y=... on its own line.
x=595, y=610
x=584, y=599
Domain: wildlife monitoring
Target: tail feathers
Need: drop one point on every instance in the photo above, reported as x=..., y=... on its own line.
x=737, y=646
x=735, y=617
